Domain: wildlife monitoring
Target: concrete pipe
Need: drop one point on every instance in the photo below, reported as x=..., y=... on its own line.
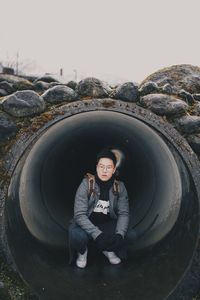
x=161, y=174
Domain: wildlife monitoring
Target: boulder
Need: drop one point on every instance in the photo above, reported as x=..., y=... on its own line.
x=186, y=96
x=46, y=78
x=189, y=124
x=8, y=128
x=164, y=104
x=185, y=76
x=40, y=86
x=3, y=93
x=168, y=89
x=23, y=103
x=52, y=84
x=72, y=84
x=11, y=78
x=6, y=86
x=93, y=87
x=60, y=93
x=127, y=91
x=30, y=78
x=148, y=88
x=23, y=85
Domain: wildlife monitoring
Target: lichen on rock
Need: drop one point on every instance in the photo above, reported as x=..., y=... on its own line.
x=23, y=85
x=46, y=78
x=164, y=104
x=23, y=103
x=148, y=88
x=11, y=78
x=6, y=86
x=60, y=93
x=127, y=91
x=180, y=77
x=188, y=124
x=93, y=87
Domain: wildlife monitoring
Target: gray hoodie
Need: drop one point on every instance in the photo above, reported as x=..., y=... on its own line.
x=83, y=207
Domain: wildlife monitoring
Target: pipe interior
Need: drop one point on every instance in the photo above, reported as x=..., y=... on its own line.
x=60, y=158
x=161, y=194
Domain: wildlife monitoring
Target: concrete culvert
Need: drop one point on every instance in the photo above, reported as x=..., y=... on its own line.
x=161, y=175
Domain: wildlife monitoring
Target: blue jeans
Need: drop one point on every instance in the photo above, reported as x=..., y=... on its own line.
x=79, y=239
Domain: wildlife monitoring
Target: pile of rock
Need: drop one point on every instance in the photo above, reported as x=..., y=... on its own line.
x=173, y=93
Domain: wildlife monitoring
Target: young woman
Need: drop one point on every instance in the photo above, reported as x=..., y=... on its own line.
x=101, y=216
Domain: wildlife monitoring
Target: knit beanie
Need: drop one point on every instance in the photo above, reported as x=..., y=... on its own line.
x=106, y=153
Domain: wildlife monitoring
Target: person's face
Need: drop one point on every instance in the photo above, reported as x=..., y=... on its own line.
x=105, y=168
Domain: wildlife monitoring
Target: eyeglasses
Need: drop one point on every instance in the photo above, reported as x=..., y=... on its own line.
x=107, y=168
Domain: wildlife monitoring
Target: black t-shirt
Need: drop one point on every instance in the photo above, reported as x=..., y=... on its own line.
x=101, y=213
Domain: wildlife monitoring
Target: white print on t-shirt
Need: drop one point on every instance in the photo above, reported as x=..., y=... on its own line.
x=102, y=207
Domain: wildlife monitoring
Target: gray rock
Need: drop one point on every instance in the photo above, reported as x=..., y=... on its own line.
x=93, y=87
x=164, y=104
x=186, y=96
x=23, y=85
x=11, y=78
x=7, y=87
x=72, y=84
x=8, y=128
x=194, y=142
x=163, y=80
x=148, y=88
x=2, y=285
x=3, y=93
x=23, y=103
x=196, y=97
x=191, y=83
x=60, y=93
x=30, y=78
x=40, y=86
x=46, y=78
x=168, y=89
x=189, y=124
x=180, y=77
x=52, y=84
x=127, y=91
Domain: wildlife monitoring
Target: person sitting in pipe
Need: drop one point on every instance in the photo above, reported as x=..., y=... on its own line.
x=101, y=215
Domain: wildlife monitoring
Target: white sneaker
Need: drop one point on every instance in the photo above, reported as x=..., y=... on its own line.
x=112, y=257
x=81, y=261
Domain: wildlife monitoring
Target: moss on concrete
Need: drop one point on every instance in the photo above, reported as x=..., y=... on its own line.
x=14, y=287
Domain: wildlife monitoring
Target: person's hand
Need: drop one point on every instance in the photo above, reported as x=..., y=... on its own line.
x=116, y=242
x=102, y=241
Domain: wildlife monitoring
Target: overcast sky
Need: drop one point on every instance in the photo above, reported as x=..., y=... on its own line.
x=119, y=39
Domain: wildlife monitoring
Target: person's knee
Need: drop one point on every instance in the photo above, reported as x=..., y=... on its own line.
x=78, y=239
x=131, y=235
